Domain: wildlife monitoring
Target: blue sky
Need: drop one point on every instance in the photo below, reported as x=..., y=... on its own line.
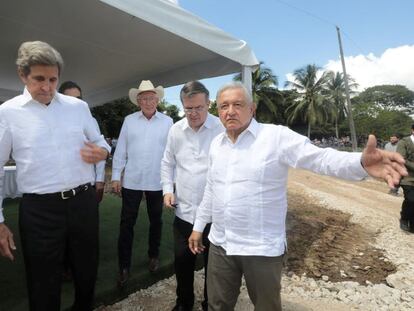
x=378, y=36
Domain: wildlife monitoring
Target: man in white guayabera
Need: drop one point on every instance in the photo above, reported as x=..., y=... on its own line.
x=245, y=197
x=138, y=155
x=55, y=143
x=185, y=158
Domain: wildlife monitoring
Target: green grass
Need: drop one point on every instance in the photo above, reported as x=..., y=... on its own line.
x=13, y=294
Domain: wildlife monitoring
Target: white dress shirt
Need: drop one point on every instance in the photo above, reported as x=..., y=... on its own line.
x=45, y=142
x=245, y=195
x=186, y=156
x=390, y=147
x=100, y=166
x=139, y=151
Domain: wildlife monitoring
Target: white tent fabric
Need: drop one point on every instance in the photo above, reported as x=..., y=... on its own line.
x=109, y=46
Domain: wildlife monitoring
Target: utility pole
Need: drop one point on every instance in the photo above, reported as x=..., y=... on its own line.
x=348, y=98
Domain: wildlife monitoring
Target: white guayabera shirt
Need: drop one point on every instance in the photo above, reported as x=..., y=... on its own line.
x=100, y=166
x=45, y=142
x=139, y=151
x=245, y=195
x=186, y=156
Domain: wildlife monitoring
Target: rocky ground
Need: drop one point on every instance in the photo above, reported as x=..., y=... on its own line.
x=346, y=252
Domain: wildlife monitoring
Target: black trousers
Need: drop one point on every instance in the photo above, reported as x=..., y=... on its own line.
x=184, y=263
x=46, y=222
x=407, y=208
x=66, y=261
x=131, y=200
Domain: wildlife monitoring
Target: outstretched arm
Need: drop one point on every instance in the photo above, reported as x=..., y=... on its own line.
x=386, y=165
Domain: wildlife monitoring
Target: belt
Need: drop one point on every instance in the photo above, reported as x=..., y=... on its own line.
x=64, y=195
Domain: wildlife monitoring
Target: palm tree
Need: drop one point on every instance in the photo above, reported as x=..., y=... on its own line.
x=265, y=93
x=335, y=92
x=310, y=105
x=170, y=110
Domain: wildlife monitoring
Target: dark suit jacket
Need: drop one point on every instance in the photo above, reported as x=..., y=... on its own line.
x=405, y=147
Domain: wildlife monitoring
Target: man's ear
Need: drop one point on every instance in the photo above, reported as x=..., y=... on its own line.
x=254, y=107
x=22, y=76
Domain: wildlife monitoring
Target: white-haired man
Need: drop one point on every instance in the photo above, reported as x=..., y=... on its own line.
x=54, y=141
x=245, y=197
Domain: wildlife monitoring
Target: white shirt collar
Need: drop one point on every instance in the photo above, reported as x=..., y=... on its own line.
x=27, y=97
x=156, y=115
x=253, y=129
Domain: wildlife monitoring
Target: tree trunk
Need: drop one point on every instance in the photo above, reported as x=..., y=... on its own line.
x=309, y=128
x=336, y=127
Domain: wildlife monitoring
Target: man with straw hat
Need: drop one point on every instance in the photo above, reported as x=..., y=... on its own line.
x=138, y=155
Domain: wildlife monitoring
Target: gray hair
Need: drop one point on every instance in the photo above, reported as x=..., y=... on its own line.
x=192, y=88
x=236, y=85
x=33, y=53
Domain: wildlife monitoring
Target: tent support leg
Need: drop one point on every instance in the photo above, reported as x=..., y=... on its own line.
x=247, y=77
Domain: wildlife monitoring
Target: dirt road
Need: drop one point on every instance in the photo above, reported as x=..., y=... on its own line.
x=373, y=232
x=371, y=195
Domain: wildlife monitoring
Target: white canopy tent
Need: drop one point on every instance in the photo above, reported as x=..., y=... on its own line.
x=110, y=45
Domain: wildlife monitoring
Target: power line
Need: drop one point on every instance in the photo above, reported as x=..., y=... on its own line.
x=307, y=13
x=324, y=20
x=354, y=43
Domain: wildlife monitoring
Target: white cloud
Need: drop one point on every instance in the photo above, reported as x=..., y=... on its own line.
x=173, y=1
x=394, y=66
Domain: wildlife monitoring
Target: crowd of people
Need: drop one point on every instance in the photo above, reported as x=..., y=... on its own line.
x=225, y=178
x=333, y=142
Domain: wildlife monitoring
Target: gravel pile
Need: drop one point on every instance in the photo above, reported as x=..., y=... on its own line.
x=355, y=296
x=325, y=294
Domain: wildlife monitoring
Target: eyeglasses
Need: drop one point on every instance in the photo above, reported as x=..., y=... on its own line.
x=194, y=109
x=147, y=99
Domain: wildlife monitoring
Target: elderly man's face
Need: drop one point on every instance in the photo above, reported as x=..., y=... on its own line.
x=196, y=109
x=148, y=102
x=41, y=82
x=234, y=111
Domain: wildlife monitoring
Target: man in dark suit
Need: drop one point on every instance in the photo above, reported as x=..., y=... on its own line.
x=406, y=148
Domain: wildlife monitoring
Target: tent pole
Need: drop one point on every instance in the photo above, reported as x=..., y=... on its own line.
x=247, y=77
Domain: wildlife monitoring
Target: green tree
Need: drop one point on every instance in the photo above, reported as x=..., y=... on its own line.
x=371, y=118
x=336, y=96
x=388, y=97
x=173, y=112
x=265, y=94
x=213, y=108
x=110, y=116
x=309, y=106
x=170, y=110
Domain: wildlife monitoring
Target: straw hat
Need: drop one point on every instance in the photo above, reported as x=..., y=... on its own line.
x=145, y=86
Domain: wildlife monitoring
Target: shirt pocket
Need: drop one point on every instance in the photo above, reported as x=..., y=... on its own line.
x=74, y=136
x=33, y=137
